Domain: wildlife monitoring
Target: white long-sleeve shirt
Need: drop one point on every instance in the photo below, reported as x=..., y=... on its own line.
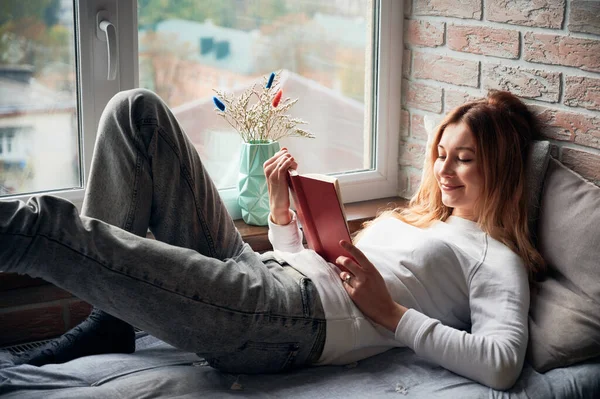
x=467, y=295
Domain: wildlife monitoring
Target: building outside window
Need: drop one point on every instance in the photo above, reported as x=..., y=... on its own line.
x=39, y=139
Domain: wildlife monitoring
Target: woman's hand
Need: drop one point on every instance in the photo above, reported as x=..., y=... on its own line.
x=276, y=171
x=366, y=287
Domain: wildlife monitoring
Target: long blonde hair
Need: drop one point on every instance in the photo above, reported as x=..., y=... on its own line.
x=503, y=127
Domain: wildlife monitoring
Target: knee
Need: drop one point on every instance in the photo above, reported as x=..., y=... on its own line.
x=142, y=94
x=124, y=114
x=134, y=100
x=129, y=107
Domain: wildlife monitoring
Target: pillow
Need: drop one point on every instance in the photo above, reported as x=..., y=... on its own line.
x=564, y=316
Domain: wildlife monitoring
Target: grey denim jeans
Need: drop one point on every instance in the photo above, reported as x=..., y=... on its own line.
x=198, y=286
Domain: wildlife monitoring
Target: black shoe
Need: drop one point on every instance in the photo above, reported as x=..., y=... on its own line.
x=100, y=333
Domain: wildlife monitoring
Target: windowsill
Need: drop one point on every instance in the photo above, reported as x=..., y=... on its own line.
x=357, y=213
x=256, y=236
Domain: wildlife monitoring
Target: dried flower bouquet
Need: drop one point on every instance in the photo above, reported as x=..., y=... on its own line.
x=259, y=115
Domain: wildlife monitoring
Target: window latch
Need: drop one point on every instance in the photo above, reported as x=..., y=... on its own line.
x=107, y=32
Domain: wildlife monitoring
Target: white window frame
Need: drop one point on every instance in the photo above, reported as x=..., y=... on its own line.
x=95, y=91
x=383, y=180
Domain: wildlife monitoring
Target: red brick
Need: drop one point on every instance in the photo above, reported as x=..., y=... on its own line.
x=582, y=92
x=446, y=69
x=404, y=123
x=424, y=33
x=406, y=60
x=31, y=324
x=483, y=40
x=540, y=13
x=412, y=154
x=529, y=83
x=470, y=9
x=414, y=179
x=417, y=127
x=422, y=96
x=584, y=163
x=409, y=180
x=584, y=16
x=562, y=50
x=456, y=98
x=571, y=126
x=551, y=128
x=403, y=184
x=78, y=311
x=30, y=295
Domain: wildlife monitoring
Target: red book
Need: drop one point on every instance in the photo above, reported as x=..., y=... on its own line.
x=320, y=209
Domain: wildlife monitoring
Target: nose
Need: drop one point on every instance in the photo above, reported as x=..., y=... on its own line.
x=447, y=169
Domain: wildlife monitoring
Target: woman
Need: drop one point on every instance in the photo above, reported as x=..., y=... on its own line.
x=446, y=277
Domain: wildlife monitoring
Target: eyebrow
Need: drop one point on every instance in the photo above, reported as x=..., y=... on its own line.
x=459, y=148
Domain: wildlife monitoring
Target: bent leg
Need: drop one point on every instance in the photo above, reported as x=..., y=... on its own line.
x=189, y=300
x=146, y=173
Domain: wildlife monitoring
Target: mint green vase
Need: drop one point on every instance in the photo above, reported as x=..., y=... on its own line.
x=253, y=196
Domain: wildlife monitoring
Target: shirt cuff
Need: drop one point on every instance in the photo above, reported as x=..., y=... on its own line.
x=409, y=327
x=288, y=237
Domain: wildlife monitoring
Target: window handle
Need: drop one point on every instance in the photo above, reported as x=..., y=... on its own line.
x=106, y=32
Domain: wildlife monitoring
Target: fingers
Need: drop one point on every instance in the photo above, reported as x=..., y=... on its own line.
x=346, y=277
x=275, y=158
x=270, y=163
x=357, y=254
x=279, y=165
x=277, y=170
x=350, y=265
x=285, y=163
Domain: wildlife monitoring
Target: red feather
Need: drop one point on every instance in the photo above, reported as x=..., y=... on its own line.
x=277, y=99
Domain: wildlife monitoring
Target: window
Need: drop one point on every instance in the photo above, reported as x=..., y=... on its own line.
x=328, y=58
x=322, y=49
x=341, y=58
x=53, y=88
x=39, y=136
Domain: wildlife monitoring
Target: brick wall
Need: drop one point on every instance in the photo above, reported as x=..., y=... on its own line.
x=545, y=51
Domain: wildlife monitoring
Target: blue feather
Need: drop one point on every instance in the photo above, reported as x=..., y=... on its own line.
x=270, y=82
x=219, y=104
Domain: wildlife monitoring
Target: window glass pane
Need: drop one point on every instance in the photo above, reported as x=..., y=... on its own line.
x=39, y=140
x=323, y=48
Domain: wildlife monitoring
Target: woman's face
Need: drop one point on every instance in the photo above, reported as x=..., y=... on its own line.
x=457, y=170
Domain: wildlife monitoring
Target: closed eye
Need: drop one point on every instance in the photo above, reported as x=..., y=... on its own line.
x=442, y=157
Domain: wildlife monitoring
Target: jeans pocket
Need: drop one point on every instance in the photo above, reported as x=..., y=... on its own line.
x=257, y=357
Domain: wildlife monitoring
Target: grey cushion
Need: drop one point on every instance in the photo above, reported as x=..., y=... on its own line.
x=564, y=318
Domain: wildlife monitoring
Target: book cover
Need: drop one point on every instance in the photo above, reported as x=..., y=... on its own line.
x=320, y=209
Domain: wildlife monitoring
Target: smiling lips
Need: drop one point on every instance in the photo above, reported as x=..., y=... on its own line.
x=447, y=187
